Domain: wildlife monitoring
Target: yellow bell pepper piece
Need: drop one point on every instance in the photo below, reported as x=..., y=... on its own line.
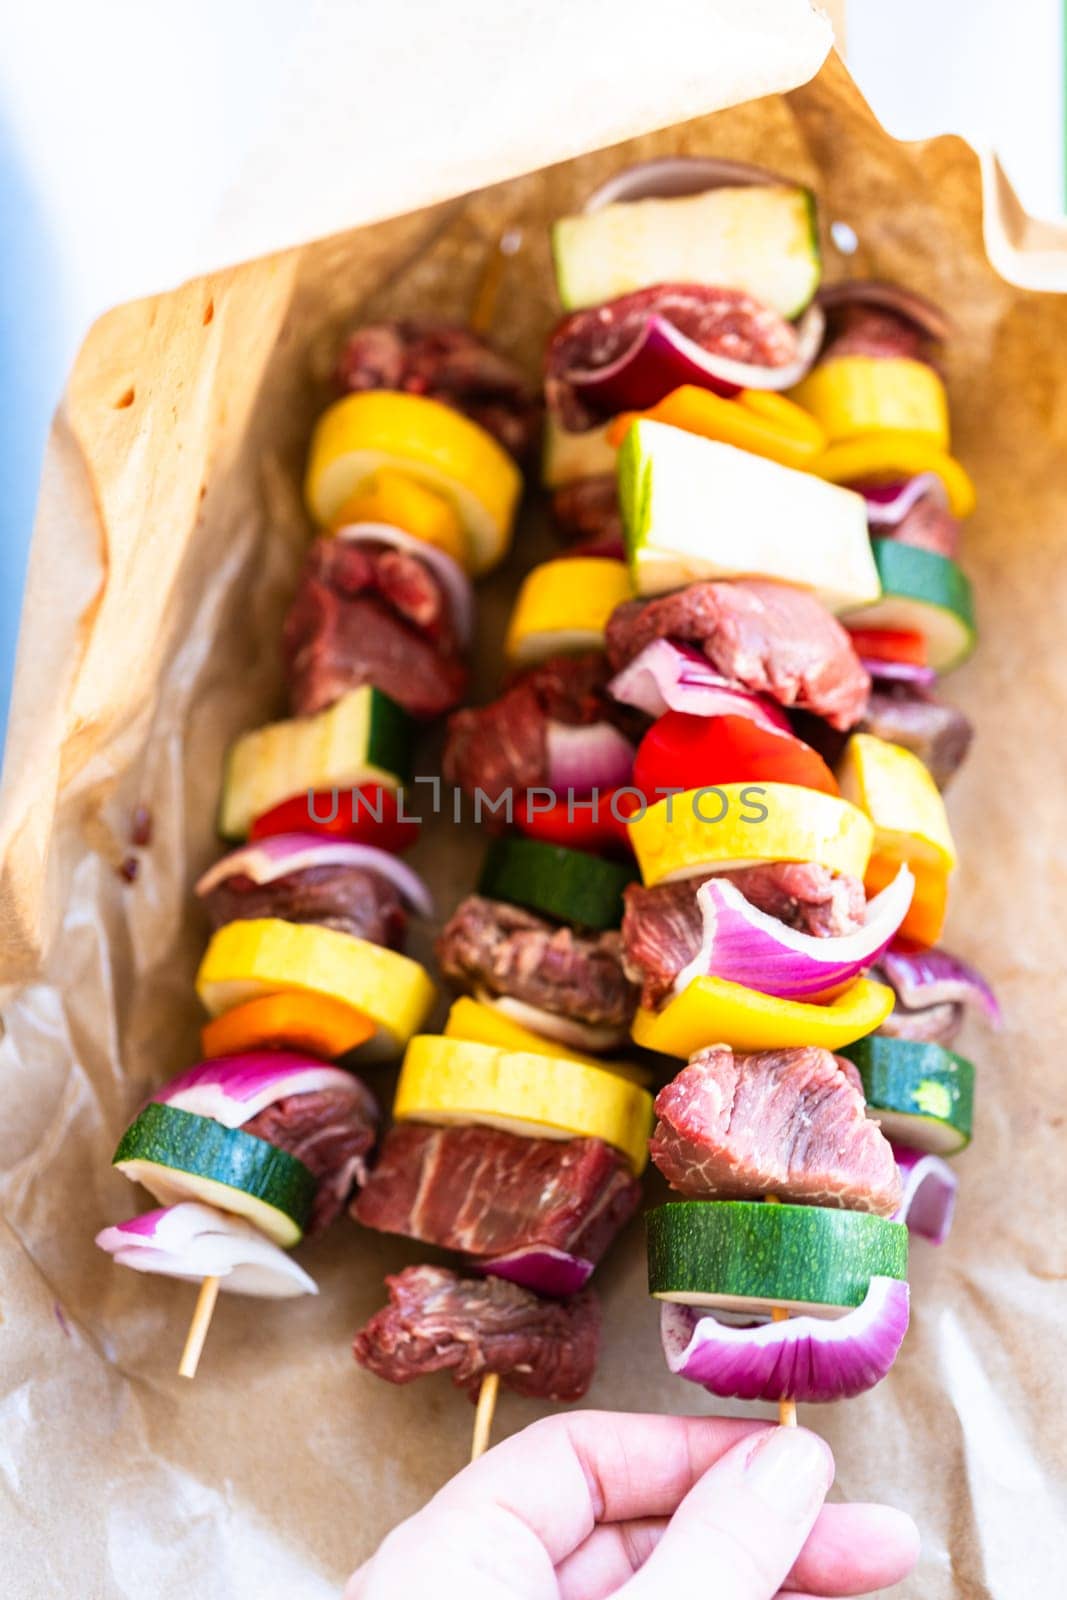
x=533, y=1094
x=852, y=395
x=886, y=456
x=715, y=1011
x=359, y=436
x=757, y=420
x=895, y=790
x=394, y=498
x=262, y=956
x=481, y=1024
x=565, y=605
x=737, y=824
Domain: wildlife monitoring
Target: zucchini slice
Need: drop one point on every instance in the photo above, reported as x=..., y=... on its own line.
x=363, y=738
x=922, y=592
x=696, y=508
x=569, y=885
x=178, y=1156
x=748, y=1257
x=762, y=238
x=919, y=1093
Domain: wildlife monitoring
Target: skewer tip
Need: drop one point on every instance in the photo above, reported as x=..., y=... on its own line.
x=483, y=1416
x=198, y=1328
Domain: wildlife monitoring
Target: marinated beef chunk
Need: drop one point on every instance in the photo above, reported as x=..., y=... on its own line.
x=868, y=330
x=939, y=735
x=446, y=362
x=437, y=1321
x=936, y=1024
x=330, y=1131
x=786, y=1122
x=503, y=745
x=508, y=951
x=727, y=322
x=767, y=637
x=662, y=926
x=351, y=899
x=929, y=525
x=588, y=509
x=367, y=613
x=484, y=1192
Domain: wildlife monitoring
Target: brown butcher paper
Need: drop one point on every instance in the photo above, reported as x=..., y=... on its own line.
x=169, y=534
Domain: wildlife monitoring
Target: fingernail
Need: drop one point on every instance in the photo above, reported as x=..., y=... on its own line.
x=791, y=1469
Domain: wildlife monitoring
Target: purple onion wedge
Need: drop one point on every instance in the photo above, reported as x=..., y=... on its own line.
x=810, y=1359
x=930, y=1188
x=542, y=1268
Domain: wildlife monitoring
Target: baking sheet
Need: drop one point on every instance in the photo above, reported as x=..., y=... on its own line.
x=169, y=534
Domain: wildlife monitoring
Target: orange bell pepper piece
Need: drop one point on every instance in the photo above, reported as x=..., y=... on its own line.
x=290, y=1020
x=758, y=420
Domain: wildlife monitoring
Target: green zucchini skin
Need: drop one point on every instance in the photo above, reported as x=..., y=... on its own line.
x=570, y=885
x=752, y=1250
x=916, y=1079
x=389, y=740
x=924, y=590
x=185, y=1142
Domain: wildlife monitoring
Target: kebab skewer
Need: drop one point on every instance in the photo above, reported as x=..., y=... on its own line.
x=268, y=1136
x=681, y=507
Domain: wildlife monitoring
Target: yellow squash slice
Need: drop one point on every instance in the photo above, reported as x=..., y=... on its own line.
x=262, y=956
x=542, y=1096
x=365, y=434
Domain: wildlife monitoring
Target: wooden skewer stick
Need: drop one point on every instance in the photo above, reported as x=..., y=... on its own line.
x=483, y=1416
x=787, y=1409
x=483, y=311
x=201, y=1322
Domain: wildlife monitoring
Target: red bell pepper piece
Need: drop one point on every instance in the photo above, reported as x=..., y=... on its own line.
x=596, y=825
x=890, y=644
x=681, y=751
x=372, y=814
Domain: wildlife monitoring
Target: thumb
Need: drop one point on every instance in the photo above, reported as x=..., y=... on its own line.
x=741, y=1527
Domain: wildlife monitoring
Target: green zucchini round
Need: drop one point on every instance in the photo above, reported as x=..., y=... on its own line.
x=922, y=592
x=570, y=885
x=920, y=1093
x=747, y=1256
x=178, y=1155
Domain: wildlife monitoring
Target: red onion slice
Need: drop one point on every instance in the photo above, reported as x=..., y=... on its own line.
x=746, y=946
x=283, y=853
x=586, y=758
x=541, y=1268
x=810, y=1359
x=914, y=308
x=453, y=579
x=670, y=677
x=889, y=503
x=193, y=1242
x=899, y=672
x=930, y=1188
x=588, y=1037
x=670, y=177
x=924, y=978
x=661, y=359
x=234, y=1089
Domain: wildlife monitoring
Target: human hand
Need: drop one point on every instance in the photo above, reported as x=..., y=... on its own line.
x=587, y=1504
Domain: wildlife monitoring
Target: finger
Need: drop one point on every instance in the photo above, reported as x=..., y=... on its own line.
x=745, y=1522
x=854, y=1549
x=479, y=1552
x=564, y=1474
x=611, y=1555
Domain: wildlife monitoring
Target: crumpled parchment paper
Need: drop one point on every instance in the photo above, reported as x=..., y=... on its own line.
x=169, y=534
